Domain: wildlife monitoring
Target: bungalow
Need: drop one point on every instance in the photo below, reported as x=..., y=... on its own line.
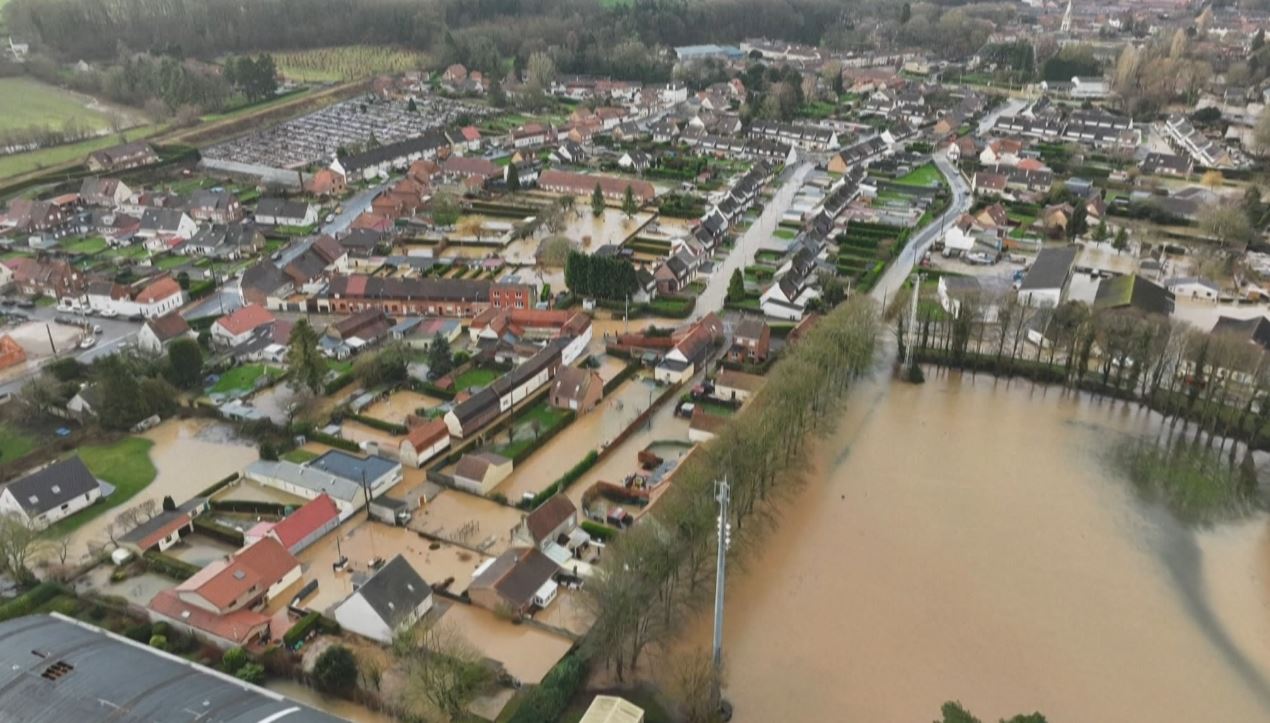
x=532, y=135
x=48, y=494
x=581, y=184
x=515, y=582
x=736, y=386
x=165, y=529
x=282, y=212
x=301, y=528
x=423, y=442
x=1193, y=287
x=160, y=331
x=481, y=472
x=392, y=600
x=360, y=330
x=551, y=523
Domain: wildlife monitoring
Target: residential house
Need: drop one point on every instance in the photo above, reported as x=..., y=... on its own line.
x=215, y=206
x=576, y=389
x=472, y=414
x=480, y=472
x=1193, y=287
x=225, y=241
x=391, y=601
x=122, y=157
x=51, y=493
x=165, y=529
x=1046, y=281
x=687, y=356
x=262, y=282
x=360, y=330
x=237, y=326
x=419, y=296
x=160, y=331
x=302, y=527
x=310, y=480
x=222, y=603
x=1001, y=151
x=326, y=183
x=1255, y=330
x=1167, y=164
x=515, y=582
x=736, y=386
x=552, y=523
x=283, y=212
x=166, y=224
x=424, y=442
x=583, y=185
x=54, y=278
x=751, y=342
x=105, y=192
x=1089, y=88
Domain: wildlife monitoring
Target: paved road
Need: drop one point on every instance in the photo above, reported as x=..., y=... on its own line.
x=353, y=208
x=898, y=271
x=1011, y=107
x=115, y=333
x=742, y=253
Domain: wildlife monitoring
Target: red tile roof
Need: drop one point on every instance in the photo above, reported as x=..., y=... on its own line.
x=260, y=565
x=158, y=291
x=168, y=326
x=238, y=627
x=245, y=319
x=314, y=515
x=426, y=435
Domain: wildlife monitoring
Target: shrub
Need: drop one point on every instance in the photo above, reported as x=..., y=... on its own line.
x=338, y=383
x=603, y=533
x=233, y=659
x=159, y=642
x=567, y=479
x=549, y=700
x=336, y=671
x=301, y=629
x=168, y=565
x=252, y=673
x=381, y=425
x=30, y=600
x=333, y=441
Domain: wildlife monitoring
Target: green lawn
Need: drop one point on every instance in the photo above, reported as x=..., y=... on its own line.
x=167, y=263
x=785, y=233
x=541, y=419
x=925, y=175
x=474, y=377
x=92, y=245
x=299, y=456
x=242, y=379
x=14, y=443
x=30, y=103
x=20, y=163
x=125, y=464
x=135, y=251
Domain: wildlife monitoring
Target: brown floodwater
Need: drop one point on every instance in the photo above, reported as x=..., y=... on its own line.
x=967, y=539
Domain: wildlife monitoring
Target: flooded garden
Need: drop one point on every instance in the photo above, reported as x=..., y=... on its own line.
x=975, y=540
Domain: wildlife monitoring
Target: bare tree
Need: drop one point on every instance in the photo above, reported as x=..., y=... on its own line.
x=20, y=543
x=444, y=671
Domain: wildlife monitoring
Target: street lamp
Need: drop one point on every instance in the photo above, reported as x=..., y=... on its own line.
x=723, y=528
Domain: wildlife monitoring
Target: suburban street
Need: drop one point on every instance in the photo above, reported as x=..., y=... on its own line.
x=743, y=252
x=353, y=208
x=898, y=271
x=115, y=333
x=1012, y=106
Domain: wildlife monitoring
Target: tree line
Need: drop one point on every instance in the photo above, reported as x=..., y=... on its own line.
x=659, y=572
x=601, y=277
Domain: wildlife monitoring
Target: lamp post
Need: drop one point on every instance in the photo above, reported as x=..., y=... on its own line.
x=722, y=495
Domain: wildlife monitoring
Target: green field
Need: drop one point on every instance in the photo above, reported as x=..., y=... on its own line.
x=474, y=378
x=242, y=379
x=19, y=163
x=927, y=176
x=354, y=62
x=14, y=443
x=125, y=464
x=30, y=103
x=90, y=245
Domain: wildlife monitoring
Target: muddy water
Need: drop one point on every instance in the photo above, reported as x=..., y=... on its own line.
x=966, y=540
x=345, y=709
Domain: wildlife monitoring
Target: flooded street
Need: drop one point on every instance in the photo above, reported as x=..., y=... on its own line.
x=965, y=540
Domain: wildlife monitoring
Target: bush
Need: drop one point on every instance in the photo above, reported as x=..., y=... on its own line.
x=549, y=700
x=214, y=488
x=333, y=441
x=301, y=629
x=159, y=642
x=29, y=601
x=224, y=533
x=233, y=659
x=381, y=425
x=603, y=533
x=338, y=383
x=336, y=671
x=167, y=565
x=252, y=673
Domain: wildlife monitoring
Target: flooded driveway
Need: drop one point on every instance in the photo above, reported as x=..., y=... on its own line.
x=401, y=404
x=188, y=455
x=526, y=651
x=967, y=540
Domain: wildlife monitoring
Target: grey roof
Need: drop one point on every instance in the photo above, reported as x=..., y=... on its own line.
x=339, y=488
x=351, y=467
x=1050, y=269
x=52, y=486
x=395, y=591
x=54, y=669
x=281, y=207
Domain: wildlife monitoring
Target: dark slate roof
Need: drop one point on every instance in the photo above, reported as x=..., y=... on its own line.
x=1050, y=269
x=395, y=591
x=1255, y=330
x=52, y=486
x=351, y=467
x=281, y=207
x=517, y=574
x=1133, y=292
x=54, y=669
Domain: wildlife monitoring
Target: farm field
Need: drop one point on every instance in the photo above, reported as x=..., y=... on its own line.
x=74, y=152
x=30, y=103
x=329, y=65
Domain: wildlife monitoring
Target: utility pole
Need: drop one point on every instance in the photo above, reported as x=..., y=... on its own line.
x=722, y=494
x=911, y=346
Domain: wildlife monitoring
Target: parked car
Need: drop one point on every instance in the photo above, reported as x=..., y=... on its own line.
x=88, y=342
x=109, y=313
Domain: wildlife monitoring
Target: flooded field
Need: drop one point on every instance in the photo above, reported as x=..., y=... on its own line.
x=661, y=426
x=401, y=404
x=248, y=490
x=588, y=432
x=527, y=652
x=468, y=520
x=188, y=455
x=345, y=709
x=138, y=589
x=967, y=540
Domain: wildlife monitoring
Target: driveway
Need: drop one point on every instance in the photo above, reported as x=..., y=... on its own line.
x=353, y=208
x=115, y=333
x=742, y=254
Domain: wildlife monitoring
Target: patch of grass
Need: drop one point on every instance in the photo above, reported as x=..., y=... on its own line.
x=167, y=263
x=474, y=377
x=926, y=175
x=20, y=163
x=1197, y=485
x=91, y=245
x=242, y=379
x=785, y=233
x=125, y=464
x=14, y=443
x=299, y=456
